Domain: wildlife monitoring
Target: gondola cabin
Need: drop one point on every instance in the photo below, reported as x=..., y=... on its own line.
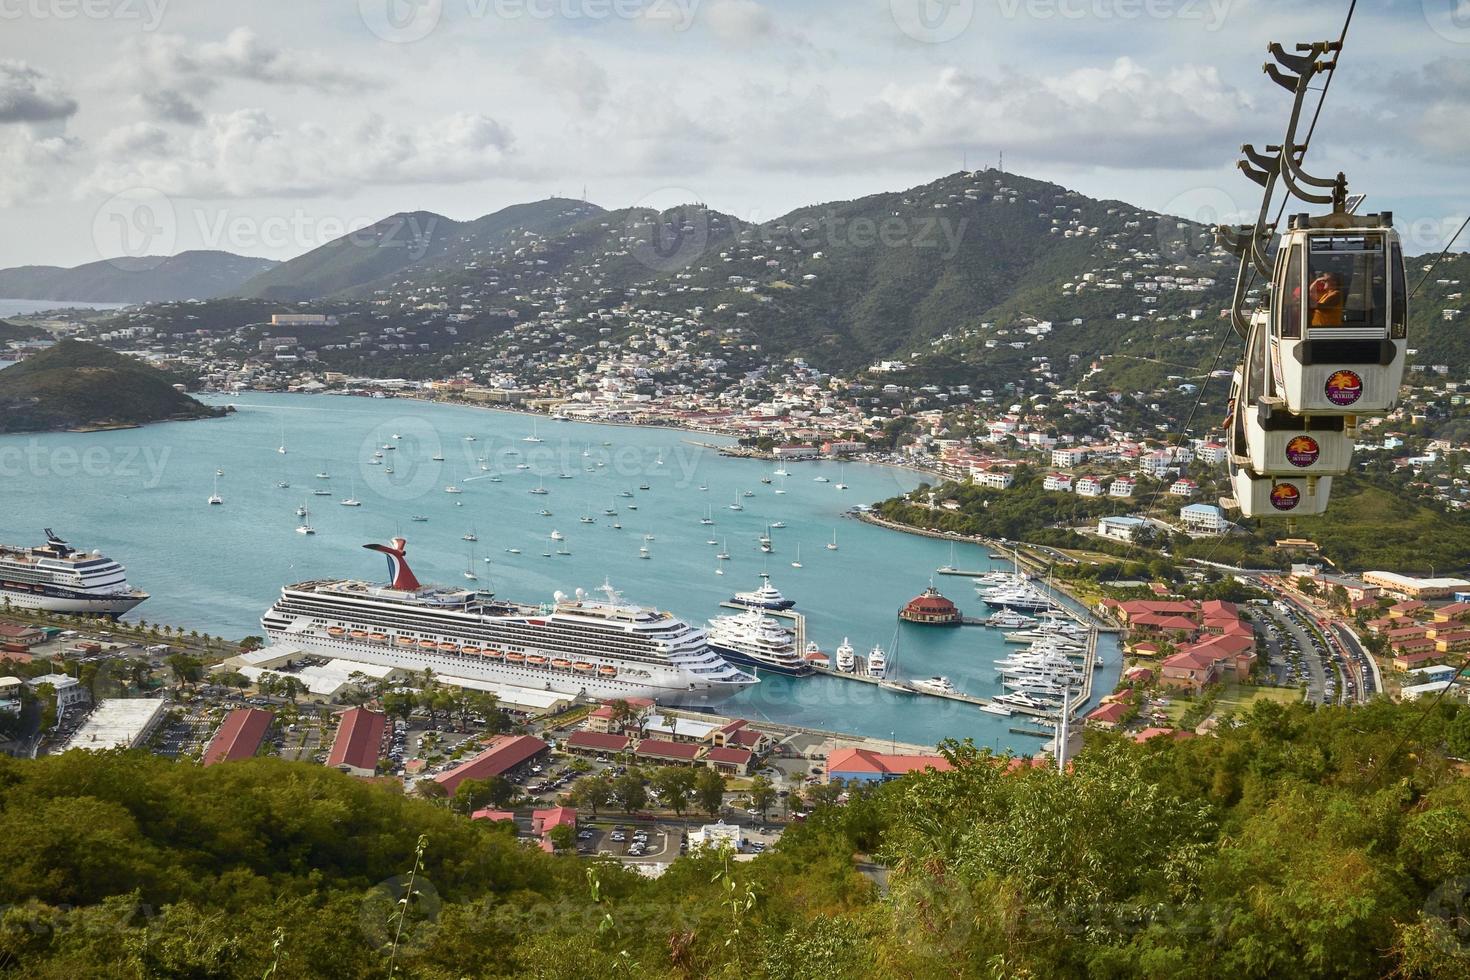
x=1339, y=319
x=1268, y=496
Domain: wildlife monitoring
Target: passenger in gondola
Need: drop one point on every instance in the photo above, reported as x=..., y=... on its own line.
x=1327, y=300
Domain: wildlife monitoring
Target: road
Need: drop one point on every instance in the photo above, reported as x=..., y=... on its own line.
x=1310, y=659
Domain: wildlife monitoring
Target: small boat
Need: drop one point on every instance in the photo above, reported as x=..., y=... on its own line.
x=540, y=490
x=586, y=519
x=469, y=536
x=617, y=525
x=219, y=472
x=301, y=511
x=324, y=475
x=935, y=685
x=707, y=518
x=643, y=486
x=418, y=518
x=404, y=641
x=703, y=487
x=321, y=493
x=779, y=524
x=215, y=499
x=643, y=552
x=560, y=663
x=543, y=512
x=284, y=485
x=452, y=488
x=832, y=545
x=583, y=667
x=724, y=554
x=470, y=439
x=820, y=479
x=351, y=500
x=606, y=671
x=512, y=551
x=557, y=536
x=649, y=537
x=748, y=494
x=797, y=562
x=335, y=630
x=437, y=457
x=305, y=527
x=996, y=709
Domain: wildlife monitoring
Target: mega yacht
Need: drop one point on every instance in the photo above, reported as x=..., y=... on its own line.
x=935, y=685
x=757, y=640
x=765, y=597
x=576, y=645
x=877, y=663
x=846, y=662
x=58, y=578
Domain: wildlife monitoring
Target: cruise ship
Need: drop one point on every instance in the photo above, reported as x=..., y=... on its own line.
x=577, y=645
x=765, y=597
x=755, y=639
x=58, y=578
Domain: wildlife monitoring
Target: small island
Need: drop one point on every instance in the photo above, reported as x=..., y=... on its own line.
x=76, y=385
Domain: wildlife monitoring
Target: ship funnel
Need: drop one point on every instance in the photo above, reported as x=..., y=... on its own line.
x=399, y=574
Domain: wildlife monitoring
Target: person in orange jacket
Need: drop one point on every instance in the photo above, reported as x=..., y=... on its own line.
x=1326, y=300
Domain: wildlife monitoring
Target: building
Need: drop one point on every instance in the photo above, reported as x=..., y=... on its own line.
x=597, y=743
x=1212, y=453
x=1415, y=588
x=1183, y=487
x=729, y=761
x=119, y=723
x=867, y=766
x=992, y=479
x=359, y=742
x=302, y=320
x=1067, y=458
x=1109, y=715
x=718, y=835
x=669, y=753
x=1123, y=486
x=1120, y=528
x=20, y=635
x=1158, y=464
x=543, y=822
x=931, y=609
x=1219, y=658
x=504, y=754
x=239, y=737
x=10, y=692
x=1203, y=519
x=69, y=692
x=1090, y=486
x=1060, y=482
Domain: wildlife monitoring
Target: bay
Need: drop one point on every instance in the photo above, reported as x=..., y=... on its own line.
x=140, y=496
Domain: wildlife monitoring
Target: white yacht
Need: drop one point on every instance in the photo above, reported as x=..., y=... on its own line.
x=935, y=685
x=58, y=578
x=765, y=597
x=846, y=662
x=757, y=640
x=877, y=663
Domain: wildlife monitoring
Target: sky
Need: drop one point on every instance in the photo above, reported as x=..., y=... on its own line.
x=269, y=127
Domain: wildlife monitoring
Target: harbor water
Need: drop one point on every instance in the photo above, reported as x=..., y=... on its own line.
x=140, y=496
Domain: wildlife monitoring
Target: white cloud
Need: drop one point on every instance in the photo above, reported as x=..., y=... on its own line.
x=29, y=96
x=738, y=20
x=579, y=83
x=247, y=153
x=29, y=166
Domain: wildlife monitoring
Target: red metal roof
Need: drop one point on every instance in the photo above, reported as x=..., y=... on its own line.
x=503, y=755
x=729, y=756
x=668, y=750
x=597, y=741
x=868, y=761
x=239, y=737
x=359, y=741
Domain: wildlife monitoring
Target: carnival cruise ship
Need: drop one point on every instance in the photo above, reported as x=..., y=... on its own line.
x=757, y=640
x=576, y=645
x=59, y=578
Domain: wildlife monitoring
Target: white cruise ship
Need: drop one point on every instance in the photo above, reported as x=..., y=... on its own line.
x=598, y=648
x=58, y=578
x=755, y=639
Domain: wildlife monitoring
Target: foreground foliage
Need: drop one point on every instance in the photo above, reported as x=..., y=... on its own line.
x=1297, y=843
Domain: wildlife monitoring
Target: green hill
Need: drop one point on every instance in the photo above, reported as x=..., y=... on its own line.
x=1301, y=841
x=377, y=256
x=146, y=279
x=19, y=331
x=77, y=385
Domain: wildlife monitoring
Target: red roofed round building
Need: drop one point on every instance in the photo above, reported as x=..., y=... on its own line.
x=931, y=609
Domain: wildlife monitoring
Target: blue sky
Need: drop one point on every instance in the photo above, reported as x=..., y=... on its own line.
x=271, y=126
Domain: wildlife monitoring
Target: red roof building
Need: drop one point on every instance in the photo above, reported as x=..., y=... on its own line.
x=658, y=750
x=729, y=761
x=1109, y=715
x=596, y=742
x=868, y=766
x=503, y=755
x=493, y=815
x=359, y=742
x=931, y=609
x=239, y=737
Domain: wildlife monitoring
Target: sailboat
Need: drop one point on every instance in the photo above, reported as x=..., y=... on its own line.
x=533, y=437
x=643, y=552
x=832, y=545
x=352, y=500
x=841, y=484
x=797, y=562
x=305, y=527
x=707, y=518
x=470, y=535
x=737, y=505
x=469, y=570
x=325, y=474
x=724, y=554
x=214, y=498
x=540, y=489
x=282, y=448
x=951, y=567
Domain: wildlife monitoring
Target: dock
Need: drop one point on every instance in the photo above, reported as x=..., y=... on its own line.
x=947, y=570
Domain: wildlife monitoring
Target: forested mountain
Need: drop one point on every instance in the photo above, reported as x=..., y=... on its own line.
x=1300, y=841
x=76, y=384
x=419, y=242
x=144, y=279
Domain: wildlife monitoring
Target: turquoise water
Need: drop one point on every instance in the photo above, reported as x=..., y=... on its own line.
x=140, y=496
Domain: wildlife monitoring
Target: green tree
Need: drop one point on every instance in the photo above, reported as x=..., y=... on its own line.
x=675, y=785
x=630, y=792
x=593, y=793
x=562, y=837
x=762, y=794
x=709, y=791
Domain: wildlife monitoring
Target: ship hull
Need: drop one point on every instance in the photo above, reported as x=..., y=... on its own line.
x=779, y=606
x=60, y=602
x=746, y=660
x=573, y=685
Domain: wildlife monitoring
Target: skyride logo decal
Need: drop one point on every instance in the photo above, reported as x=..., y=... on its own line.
x=1285, y=496
x=1302, y=451
x=1343, y=388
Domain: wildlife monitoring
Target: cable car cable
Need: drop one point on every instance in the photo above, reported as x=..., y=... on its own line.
x=1437, y=259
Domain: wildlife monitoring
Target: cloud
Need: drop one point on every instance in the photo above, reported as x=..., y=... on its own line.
x=247, y=153
x=29, y=165
x=575, y=79
x=169, y=105
x=29, y=96
x=739, y=20
x=170, y=62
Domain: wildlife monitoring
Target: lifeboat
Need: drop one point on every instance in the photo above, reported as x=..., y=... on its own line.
x=404, y=641
x=358, y=634
x=493, y=653
x=560, y=663
x=336, y=630
x=449, y=647
x=378, y=637
x=426, y=644
x=536, y=660
x=515, y=658
x=606, y=671
x=582, y=667
x=471, y=651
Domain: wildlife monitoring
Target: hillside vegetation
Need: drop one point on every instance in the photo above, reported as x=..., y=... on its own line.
x=1299, y=843
x=146, y=279
x=76, y=384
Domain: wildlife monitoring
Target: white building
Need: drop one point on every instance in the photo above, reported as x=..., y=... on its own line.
x=720, y=835
x=1090, y=486
x=68, y=690
x=1122, y=487
x=1120, y=528
x=1203, y=519
x=1069, y=457
x=992, y=479
x=119, y=723
x=1058, y=481
x=1211, y=452
x=1157, y=464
